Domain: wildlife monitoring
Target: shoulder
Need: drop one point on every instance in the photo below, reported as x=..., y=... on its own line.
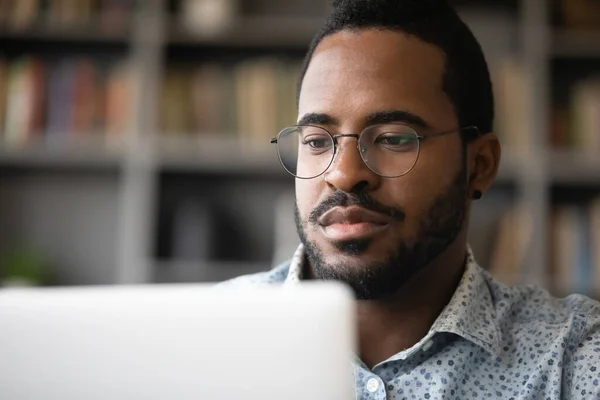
x=528, y=303
x=276, y=275
x=583, y=357
x=567, y=328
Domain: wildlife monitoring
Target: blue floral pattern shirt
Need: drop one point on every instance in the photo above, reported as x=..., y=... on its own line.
x=490, y=342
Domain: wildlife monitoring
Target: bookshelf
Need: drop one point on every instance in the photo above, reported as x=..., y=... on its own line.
x=41, y=157
x=107, y=209
x=568, y=43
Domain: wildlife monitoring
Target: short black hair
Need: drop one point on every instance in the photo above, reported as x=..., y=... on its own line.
x=466, y=78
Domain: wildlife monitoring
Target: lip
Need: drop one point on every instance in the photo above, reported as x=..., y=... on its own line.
x=352, y=223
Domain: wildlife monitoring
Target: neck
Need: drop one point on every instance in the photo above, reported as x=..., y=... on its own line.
x=388, y=326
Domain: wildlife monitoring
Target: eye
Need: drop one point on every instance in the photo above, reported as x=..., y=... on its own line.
x=315, y=139
x=395, y=140
x=317, y=142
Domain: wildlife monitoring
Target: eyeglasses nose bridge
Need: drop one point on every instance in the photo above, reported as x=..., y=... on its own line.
x=336, y=145
x=342, y=135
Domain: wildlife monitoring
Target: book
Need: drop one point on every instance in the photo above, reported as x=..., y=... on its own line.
x=25, y=98
x=512, y=103
x=251, y=99
x=24, y=14
x=108, y=16
x=584, y=121
x=3, y=95
x=580, y=14
x=59, y=103
x=120, y=88
x=574, y=248
x=509, y=247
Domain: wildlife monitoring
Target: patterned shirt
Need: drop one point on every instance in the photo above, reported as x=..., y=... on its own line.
x=491, y=341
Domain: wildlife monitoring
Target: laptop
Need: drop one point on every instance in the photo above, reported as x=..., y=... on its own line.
x=177, y=341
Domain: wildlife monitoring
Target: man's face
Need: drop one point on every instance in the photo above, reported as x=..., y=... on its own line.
x=410, y=219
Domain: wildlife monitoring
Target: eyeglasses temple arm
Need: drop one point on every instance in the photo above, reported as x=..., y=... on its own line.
x=474, y=128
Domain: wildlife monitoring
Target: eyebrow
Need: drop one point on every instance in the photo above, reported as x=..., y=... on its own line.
x=379, y=117
x=318, y=119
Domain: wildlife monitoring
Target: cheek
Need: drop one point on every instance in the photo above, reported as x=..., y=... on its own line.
x=431, y=178
x=415, y=193
x=407, y=194
x=306, y=196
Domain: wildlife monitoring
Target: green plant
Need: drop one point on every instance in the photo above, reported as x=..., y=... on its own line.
x=24, y=266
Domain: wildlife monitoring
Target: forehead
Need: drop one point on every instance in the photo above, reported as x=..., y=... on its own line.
x=372, y=70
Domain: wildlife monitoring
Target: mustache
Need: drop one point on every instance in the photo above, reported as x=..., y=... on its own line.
x=361, y=199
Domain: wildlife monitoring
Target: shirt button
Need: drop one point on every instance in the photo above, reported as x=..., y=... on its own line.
x=372, y=385
x=427, y=345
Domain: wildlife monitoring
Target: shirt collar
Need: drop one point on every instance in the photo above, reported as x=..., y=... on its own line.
x=470, y=313
x=296, y=269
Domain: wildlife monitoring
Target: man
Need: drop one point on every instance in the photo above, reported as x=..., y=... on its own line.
x=394, y=141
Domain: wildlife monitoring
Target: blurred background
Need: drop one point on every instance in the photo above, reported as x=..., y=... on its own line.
x=134, y=139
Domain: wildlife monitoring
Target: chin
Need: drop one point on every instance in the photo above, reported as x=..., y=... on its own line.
x=372, y=268
x=369, y=275
x=368, y=247
x=353, y=255
x=342, y=261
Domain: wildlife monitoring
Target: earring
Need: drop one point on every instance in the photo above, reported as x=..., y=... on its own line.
x=477, y=194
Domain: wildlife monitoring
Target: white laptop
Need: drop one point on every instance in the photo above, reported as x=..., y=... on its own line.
x=177, y=342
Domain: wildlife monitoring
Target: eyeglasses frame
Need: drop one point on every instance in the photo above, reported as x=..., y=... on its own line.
x=419, y=137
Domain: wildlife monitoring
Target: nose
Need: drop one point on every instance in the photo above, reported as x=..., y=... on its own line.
x=348, y=172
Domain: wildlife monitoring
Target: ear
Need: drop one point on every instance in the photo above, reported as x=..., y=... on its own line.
x=484, y=159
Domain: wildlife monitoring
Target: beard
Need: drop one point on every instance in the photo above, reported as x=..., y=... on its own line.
x=438, y=228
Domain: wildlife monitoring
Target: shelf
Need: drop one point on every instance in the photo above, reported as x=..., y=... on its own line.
x=216, y=154
x=285, y=32
x=486, y=4
x=64, y=159
x=206, y=154
x=576, y=44
x=177, y=271
x=56, y=34
x=568, y=167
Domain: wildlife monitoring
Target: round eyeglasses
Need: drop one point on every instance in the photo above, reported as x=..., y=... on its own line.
x=389, y=150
